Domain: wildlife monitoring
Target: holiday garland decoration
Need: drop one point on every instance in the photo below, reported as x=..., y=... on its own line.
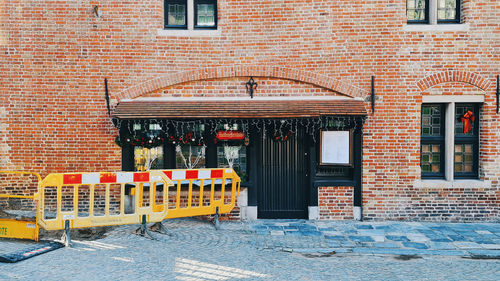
x=195, y=132
x=467, y=120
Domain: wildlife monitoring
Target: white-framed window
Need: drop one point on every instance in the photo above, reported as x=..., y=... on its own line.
x=449, y=137
x=190, y=14
x=433, y=11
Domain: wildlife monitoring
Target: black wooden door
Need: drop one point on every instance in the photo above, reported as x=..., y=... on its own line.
x=283, y=178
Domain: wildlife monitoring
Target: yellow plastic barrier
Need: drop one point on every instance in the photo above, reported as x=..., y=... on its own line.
x=20, y=229
x=81, y=200
x=203, y=180
x=61, y=199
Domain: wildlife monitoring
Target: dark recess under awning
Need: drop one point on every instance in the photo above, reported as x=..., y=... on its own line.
x=238, y=109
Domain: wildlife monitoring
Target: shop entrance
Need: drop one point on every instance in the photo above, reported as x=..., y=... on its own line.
x=283, y=180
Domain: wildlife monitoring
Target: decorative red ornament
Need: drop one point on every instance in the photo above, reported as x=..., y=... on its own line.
x=467, y=120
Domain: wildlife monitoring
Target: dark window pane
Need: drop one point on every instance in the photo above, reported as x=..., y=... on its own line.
x=190, y=157
x=465, y=116
x=206, y=15
x=235, y=156
x=464, y=159
x=430, y=160
x=176, y=14
x=148, y=158
x=415, y=10
x=431, y=120
x=446, y=9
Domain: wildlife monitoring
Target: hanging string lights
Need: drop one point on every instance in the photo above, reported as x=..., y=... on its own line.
x=155, y=132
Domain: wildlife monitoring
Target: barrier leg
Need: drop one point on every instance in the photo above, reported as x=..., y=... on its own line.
x=216, y=219
x=143, y=229
x=160, y=228
x=66, y=237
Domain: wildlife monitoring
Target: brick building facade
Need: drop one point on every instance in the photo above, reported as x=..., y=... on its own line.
x=55, y=56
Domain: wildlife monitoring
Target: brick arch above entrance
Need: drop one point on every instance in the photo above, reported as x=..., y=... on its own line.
x=309, y=77
x=454, y=76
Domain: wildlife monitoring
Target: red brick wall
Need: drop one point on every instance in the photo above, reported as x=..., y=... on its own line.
x=235, y=87
x=430, y=204
x=54, y=56
x=335, y=203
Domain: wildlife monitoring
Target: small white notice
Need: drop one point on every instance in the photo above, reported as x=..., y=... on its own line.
x=336, y=148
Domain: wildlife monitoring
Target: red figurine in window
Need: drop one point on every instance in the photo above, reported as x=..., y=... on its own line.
x=467, y=120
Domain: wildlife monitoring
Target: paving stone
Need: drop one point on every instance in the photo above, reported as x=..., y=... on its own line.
x=371, y=232
x=361, y=238
x=332, y=233
x=397, y=238
x=333, y=243
x=386, y=245
x=447, y=253
x=483, y=232
x=414, y=245
x=378, y=238
x=292, y=233
x=490, y=246
x=457, y=237
x=483, y=241
x=363, y=226
x=486, y=253
x=441, y=239
x=441, y=246
x=274, y=227
x=335, y=237
x=311, y=233
x=417, y=237
x=347, y=244
x=466, y=245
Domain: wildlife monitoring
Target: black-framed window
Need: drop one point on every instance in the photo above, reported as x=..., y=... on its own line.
x=176, y=14
x=448, y=11
x=432, y=144
x=205, y=14
x=466, y=147
x=417, y=11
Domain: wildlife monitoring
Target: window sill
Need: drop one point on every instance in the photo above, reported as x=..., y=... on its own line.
x=451, y=184
x=443, y=27
x=190, y=33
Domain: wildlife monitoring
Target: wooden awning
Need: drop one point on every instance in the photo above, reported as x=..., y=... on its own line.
x=237, y=109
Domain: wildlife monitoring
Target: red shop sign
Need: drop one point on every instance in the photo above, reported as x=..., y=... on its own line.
x=230, y=135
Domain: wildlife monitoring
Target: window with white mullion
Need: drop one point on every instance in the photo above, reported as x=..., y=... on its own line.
x=450, y=141
x=433, y=11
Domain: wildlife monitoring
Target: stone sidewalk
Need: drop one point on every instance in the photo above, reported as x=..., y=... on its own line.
x=475, y=240
x=273, y=250
x=478, y=240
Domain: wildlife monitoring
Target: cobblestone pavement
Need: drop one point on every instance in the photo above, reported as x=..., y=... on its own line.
x=273, y=250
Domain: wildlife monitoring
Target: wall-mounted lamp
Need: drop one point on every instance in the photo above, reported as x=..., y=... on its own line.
x=251, y=86
x=97, y=12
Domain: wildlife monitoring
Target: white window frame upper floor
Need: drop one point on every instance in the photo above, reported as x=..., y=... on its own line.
x=190, y=27
x=431, y=21
x=448, y=177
